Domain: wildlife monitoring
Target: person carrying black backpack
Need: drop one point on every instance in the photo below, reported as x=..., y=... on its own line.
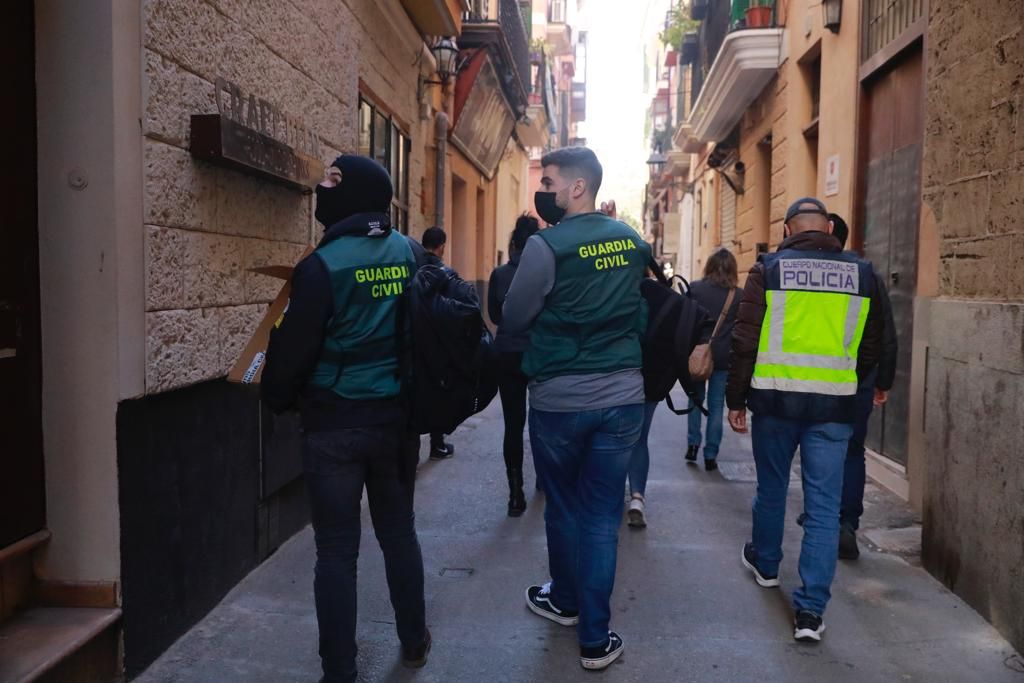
x=335, y=354
x=434, y=240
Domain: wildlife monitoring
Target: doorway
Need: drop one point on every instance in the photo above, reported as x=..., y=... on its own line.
x=892, y=133
x=22, y=498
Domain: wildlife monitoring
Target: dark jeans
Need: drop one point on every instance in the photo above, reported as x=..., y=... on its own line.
x=584, y=457
x=640, y=460
x=855, y=472
x=512, y=388
x=338, y=464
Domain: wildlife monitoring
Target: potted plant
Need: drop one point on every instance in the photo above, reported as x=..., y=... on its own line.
x=689, y=47
x=759, y=14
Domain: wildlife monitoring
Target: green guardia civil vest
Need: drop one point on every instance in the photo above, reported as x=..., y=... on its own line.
x=359, y=359
x=594, y=317
x=817, y=305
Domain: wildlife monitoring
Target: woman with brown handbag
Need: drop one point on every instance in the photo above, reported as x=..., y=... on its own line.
x=718, y=293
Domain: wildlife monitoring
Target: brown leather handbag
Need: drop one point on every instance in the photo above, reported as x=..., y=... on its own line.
x=701, y=363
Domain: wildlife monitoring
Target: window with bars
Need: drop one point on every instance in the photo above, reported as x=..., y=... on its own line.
x=381, y=139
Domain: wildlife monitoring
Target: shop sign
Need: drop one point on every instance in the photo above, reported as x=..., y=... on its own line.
x=253, y=136
x=486, y=122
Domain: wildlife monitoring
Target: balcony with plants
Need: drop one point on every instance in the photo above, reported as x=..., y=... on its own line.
x=734, y=53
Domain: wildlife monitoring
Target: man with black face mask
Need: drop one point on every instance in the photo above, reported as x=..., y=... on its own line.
x=335, y=354
x=577, y=292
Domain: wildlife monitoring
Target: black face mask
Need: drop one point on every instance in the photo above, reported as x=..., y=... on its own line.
x=330, y=205
x=549, y=212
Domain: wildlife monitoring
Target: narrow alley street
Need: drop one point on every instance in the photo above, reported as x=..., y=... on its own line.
x=686, y=608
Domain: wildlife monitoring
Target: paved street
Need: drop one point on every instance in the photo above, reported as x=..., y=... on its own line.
x=686, y=608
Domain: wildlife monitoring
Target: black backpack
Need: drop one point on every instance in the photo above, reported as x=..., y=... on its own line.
x=675, y=325
x=453, y=370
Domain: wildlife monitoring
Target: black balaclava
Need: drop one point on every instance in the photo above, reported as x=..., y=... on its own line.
x=365, y=187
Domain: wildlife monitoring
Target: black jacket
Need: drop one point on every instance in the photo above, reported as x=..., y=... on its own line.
x=747, y=331
x=712, y=297
x=296, y=343
x=497, y=289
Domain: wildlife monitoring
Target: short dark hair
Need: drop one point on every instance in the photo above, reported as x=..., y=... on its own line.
x=721, y=269
x=840, y=230
x=526, y=226
x=433, y=238
x=580, y=160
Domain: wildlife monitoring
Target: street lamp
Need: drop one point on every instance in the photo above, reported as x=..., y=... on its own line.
x=656, y=162
x=832, y=11
x=445, y=54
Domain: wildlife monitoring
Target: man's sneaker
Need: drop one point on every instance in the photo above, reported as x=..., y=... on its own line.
x=416, y=657
x=597, y=658
x=848, y=549
x=442, y=451
x=637, y=518
x=691, y=455
x=710, y=465
x=809, y=627
x=538, y=599
x=749, y=559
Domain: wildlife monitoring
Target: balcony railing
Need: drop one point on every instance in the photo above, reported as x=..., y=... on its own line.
x=515, y=44
x=722, y=19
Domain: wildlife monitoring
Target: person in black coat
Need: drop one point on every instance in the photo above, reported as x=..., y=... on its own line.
x=720, y=278
x=511, y=380
x=434, y=241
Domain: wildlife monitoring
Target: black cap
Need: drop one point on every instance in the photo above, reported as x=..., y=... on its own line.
x=794, y=208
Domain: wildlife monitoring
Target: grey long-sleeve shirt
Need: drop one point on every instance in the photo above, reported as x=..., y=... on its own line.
x=534, y=280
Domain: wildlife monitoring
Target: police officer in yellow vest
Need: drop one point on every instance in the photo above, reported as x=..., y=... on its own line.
x=335, y=354
x=808, y=327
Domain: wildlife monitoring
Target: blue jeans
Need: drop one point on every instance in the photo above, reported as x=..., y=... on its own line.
x=584, y=457
x=852, y=506
x=715, y=393
x=640, y=461
x=822, y=457
x=338, y=464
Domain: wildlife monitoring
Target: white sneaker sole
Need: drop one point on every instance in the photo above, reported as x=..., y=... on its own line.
x=761, y=581
x=636, y=519
x=561, y=621
x=807, y=635
x=603, y=662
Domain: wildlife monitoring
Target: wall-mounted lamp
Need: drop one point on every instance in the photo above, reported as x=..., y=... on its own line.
x=832, y=14
x=445, y=53
x=656, y=162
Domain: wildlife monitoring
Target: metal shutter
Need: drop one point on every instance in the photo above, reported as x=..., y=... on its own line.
x=727, y=210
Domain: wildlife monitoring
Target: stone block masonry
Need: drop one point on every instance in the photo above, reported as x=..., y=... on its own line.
x=973, y=167
x=206, y=226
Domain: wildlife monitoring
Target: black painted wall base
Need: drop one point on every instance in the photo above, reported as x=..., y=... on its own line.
x=210, y=485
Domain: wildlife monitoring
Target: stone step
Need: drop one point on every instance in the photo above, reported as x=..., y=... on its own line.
x=35, y=642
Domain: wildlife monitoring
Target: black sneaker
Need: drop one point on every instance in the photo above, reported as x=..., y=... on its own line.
x=416, y=657
x=808, y=627
x=442, y=451
x=597, y=658
x=691, y=455
x=749, y=559
x=710, y=465
x=848, y=549
x=538, y=599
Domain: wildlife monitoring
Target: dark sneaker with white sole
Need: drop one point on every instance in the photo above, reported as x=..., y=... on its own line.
x=808, y=627
x=538, y=599
x=597, y=658
x=749, y=559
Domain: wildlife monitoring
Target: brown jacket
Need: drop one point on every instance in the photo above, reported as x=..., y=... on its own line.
x=747, y=331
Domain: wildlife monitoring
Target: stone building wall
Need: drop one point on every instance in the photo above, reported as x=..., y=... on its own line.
x=974, y=417
x=206, y=226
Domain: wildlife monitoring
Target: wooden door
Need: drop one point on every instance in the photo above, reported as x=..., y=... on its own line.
x=22, y=502
x=892, y=131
